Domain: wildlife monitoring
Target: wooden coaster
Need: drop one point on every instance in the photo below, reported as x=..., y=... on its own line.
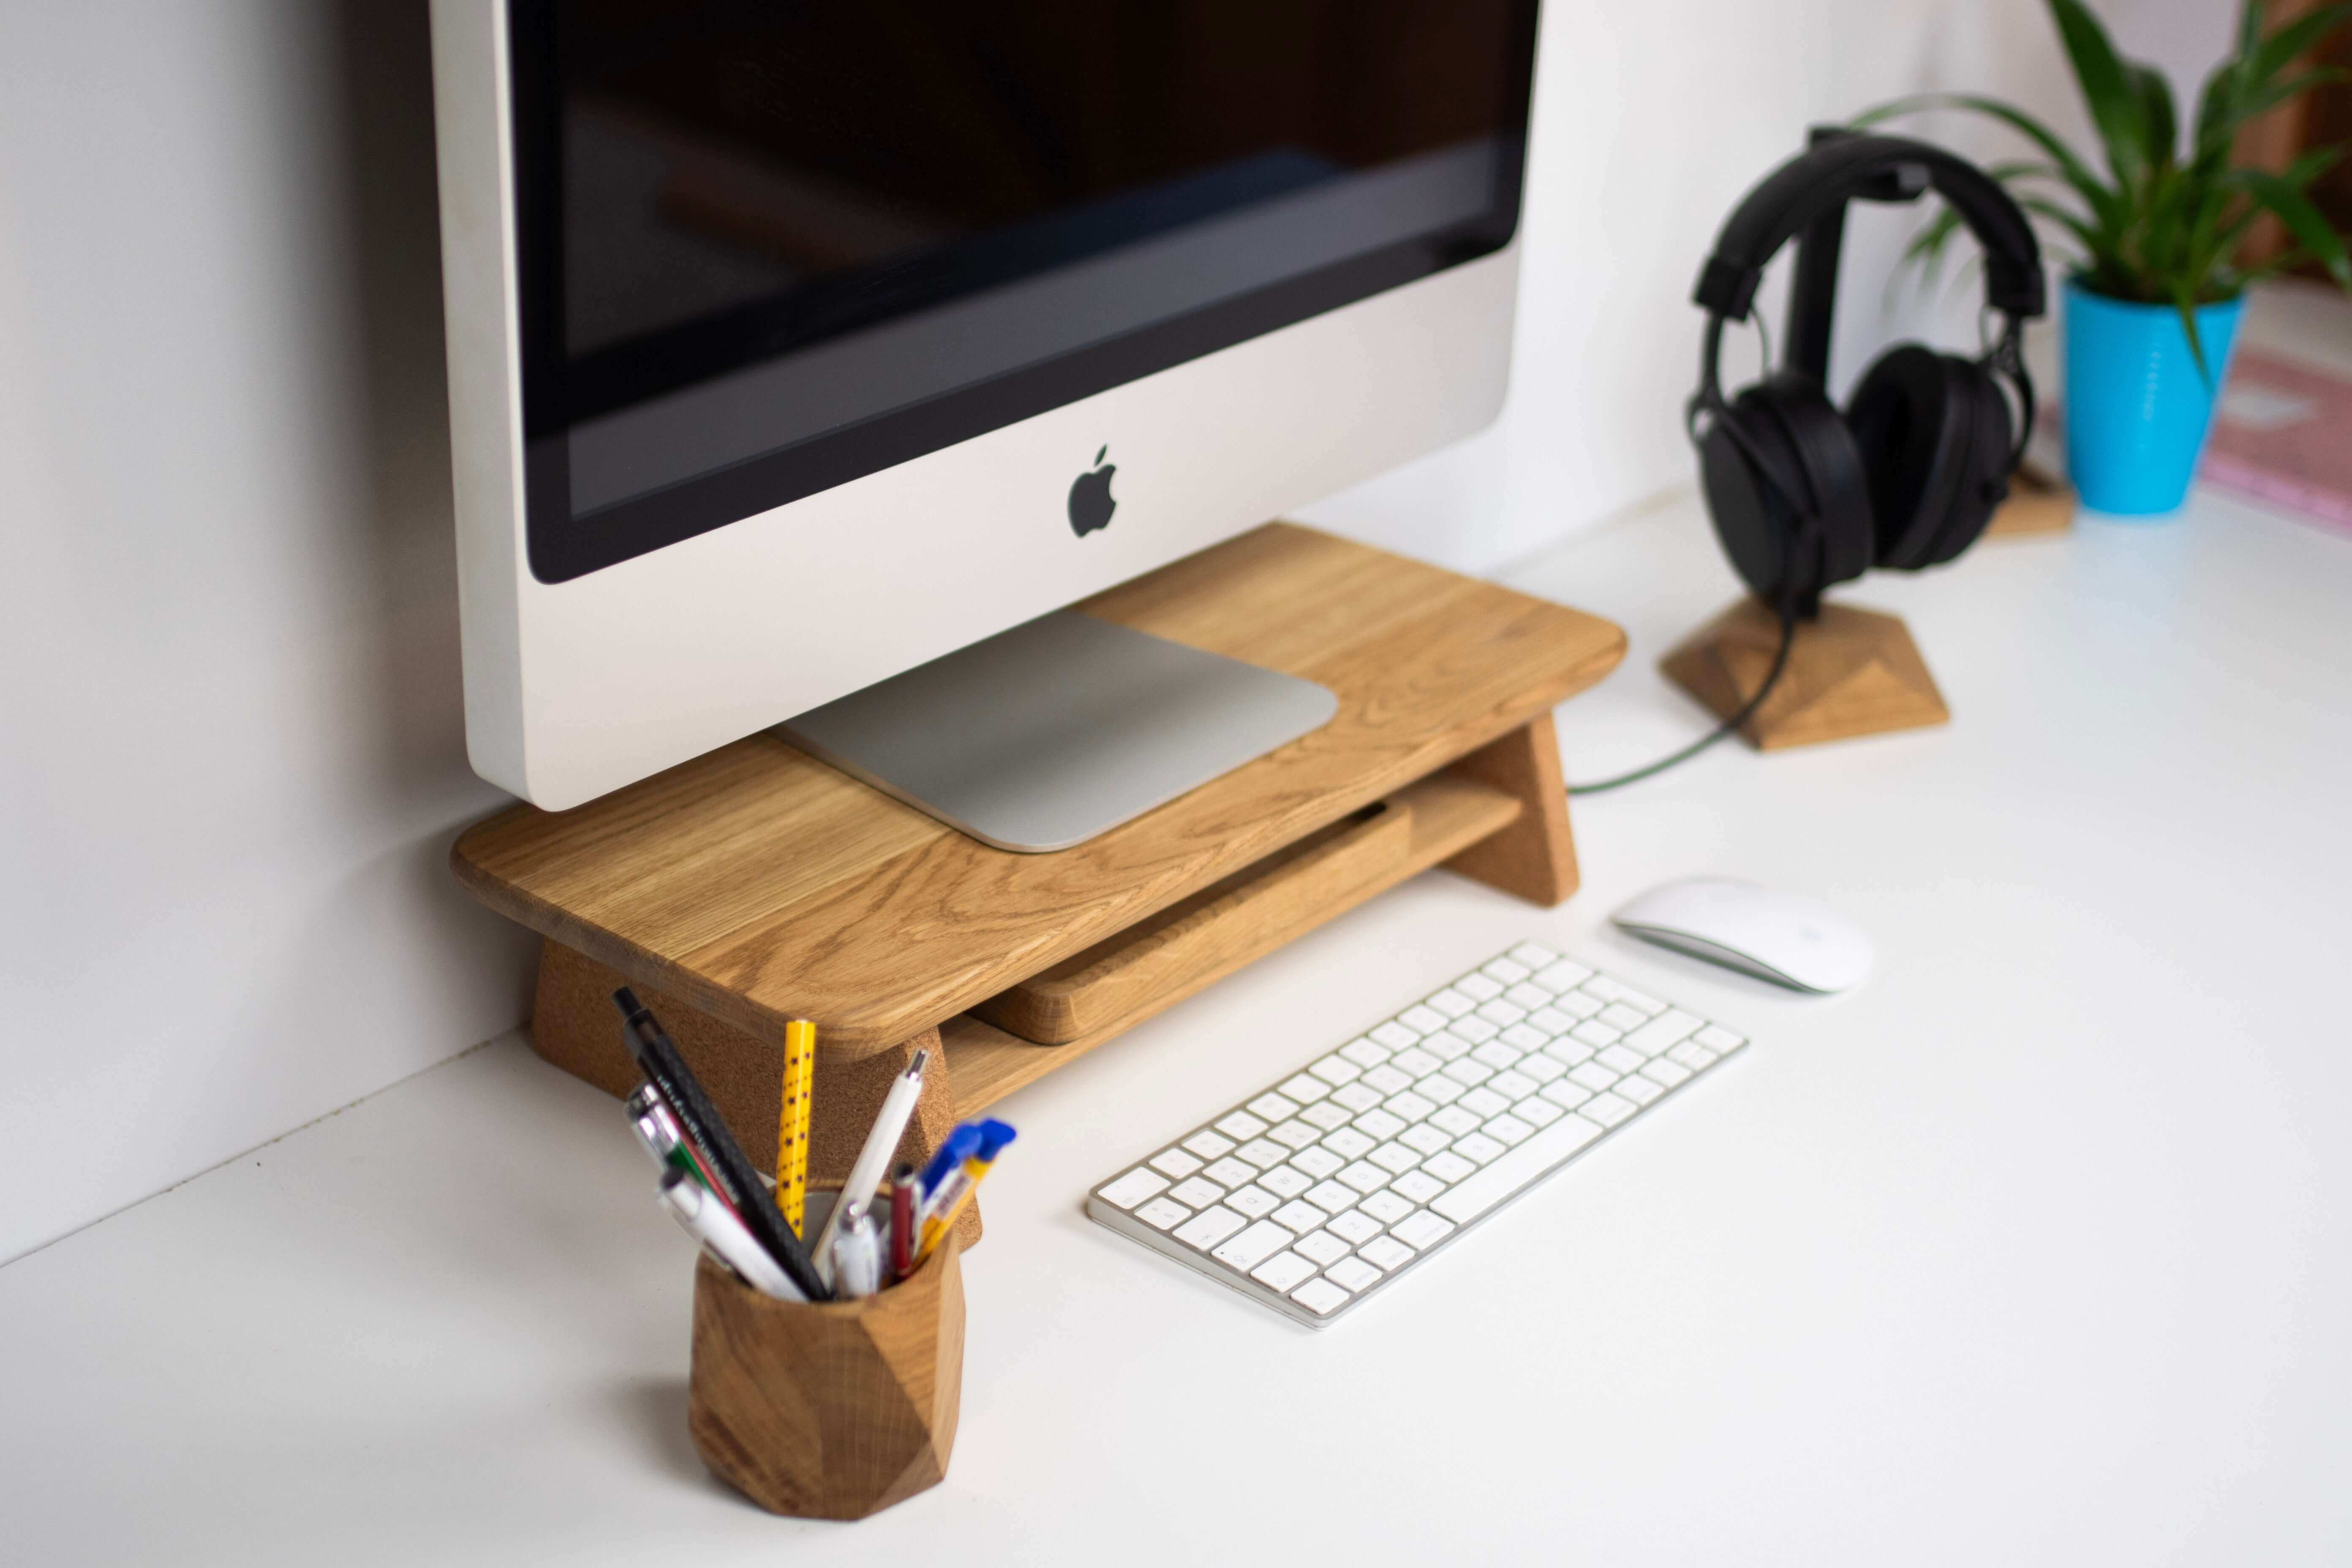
x=2039, y=502
x=1852, y=672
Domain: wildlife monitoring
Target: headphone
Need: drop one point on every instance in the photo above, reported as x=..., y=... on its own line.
x=1802, y=496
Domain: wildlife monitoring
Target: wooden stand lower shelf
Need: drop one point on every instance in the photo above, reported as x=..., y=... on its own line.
x=756, y=885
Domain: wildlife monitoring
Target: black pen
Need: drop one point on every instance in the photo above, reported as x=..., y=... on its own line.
x=738, y=1182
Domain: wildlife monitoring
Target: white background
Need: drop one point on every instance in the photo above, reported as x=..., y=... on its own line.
x=231, y=746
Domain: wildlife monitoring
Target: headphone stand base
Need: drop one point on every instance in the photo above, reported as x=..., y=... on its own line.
x=1851, y=672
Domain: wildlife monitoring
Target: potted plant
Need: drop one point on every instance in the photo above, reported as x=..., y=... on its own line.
x=2160, y=271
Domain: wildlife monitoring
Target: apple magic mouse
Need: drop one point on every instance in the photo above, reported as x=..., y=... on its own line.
x=1783, y=937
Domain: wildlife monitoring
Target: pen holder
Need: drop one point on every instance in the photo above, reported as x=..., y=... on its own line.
x=831, y=1409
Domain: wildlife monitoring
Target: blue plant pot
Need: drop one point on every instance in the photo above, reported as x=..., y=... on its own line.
x=2138, y=407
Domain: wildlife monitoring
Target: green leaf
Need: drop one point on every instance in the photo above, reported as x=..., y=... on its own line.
x=2292, y=42
x=2157, y=113
x=2097, y=195
x=2302, y=220
x=2107, y=88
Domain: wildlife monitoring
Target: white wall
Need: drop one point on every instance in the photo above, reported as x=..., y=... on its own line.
x=231, y=753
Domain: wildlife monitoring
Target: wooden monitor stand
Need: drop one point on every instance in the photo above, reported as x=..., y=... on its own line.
x=756, y=885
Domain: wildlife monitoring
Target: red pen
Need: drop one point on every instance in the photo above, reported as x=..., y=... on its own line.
x=902, y=1221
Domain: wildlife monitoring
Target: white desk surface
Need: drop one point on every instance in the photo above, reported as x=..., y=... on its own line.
x=2037, y=1248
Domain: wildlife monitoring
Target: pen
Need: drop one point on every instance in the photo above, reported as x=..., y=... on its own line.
x=732, y=1176
x=866, y=1175
x=943, y=1203
x=902, y=1221
x=856, y=1254
x=951, y=1153
x=793, y=1127
x=658, y=1134
x=723, y=1235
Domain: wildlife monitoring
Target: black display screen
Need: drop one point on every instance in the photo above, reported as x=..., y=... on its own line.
x=768, y=247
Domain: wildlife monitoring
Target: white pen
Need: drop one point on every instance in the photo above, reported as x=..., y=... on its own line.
x=857, y=1255
x=874, y=1160
x=707, y=1220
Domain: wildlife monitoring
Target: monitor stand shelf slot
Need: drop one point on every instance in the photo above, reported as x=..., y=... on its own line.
x=757, y=885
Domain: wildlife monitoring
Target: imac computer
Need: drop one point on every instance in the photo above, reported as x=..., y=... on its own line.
x=808, y=360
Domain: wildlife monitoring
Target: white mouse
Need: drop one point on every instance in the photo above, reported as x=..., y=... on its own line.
x=1798, y=942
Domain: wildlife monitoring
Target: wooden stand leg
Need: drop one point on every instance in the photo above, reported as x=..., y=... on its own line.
x=1534, y=858
x=1852, y=672
x=574, y=1026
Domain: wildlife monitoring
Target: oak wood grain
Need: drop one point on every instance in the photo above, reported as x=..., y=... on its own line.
x=759, y=885
x=1852, y=672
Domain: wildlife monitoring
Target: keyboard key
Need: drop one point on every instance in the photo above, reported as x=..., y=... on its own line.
x=1524, y=1037
x=1423, y=1230
x=1717, y=1038
x=1579, y=1005
x=1286, y=1181
x=1639, y=1089
x=1427, y=1137
x=1465, y=1200
x=1347, y=1143
x=1550, y=1020
x=1542, y=1067
x=1197, y=1194
x=1417, y=1062
x=1379, y=1124
x=1322, y=1247
x=1208, y=1145
x=1365, y=1177
x=1386, y=1252
x=1608, y=1110
x=1596, y=1034
x=1331, y=1197
x=1208, y=1227
x=1504, y=972
x=1448, y=1047
x=1469, y=1072
x=1477, y=1031
x=1594, y=1076
x=1632, y=998
x=1365, y=1052
x=1356, y=1226
x=1332, y=1070
x=1693, y=1055
x=1500, y=1014
x=1263, y=1152
x=1386, y=1207
x=1252, y=1201
x=1617, y=1015
x=1279, y=1108
x=1361, y=1097
x=1508, y=1128
x=1533, y=956
x=1537, y=1111
x=1451, y=1003
x=1620, y=1058
x=1455, y=1120
x=1251, y=1246
x=1449, y=1167
x=1667, y=1028
x=1320, y=1297
x=1295, y=1134
x=1134, y=1187
x=1353, y=1274
x=1317, y=1162
x=1305, y=1088
x=1395, y=1036
x=1327, y=1114
x=1419, y=1186
x=1484, y=1103
x=1512, y=1085
x=1527, y=996
x=1422, y=1019
x=1478, y=1147
x=1570, y=1052
x=1299, y=1217
x=1478, y=987
x=1498, y=1055
x=1567, y=1093
x=1160, y=1213
x=1241, y=1124
x=1394, y=1158
x=1231, y=1172
x=1382, y=1082
x=1408, y=1108
x=1565, y=975
x=1439, y=1088
x=1669, y=1073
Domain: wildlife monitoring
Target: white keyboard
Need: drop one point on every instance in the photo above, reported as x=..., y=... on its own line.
x=1337, y=1181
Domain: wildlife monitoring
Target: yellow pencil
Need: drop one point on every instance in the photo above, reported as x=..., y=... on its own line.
x=792, y=1123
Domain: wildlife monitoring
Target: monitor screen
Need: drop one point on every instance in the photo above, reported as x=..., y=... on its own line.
x=768, y=247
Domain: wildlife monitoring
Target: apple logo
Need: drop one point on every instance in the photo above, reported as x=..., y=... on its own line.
x=1090, y=498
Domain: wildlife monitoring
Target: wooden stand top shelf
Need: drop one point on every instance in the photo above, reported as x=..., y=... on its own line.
x=762, y=885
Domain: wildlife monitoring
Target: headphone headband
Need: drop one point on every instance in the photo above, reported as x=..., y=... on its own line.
x=1833, y=172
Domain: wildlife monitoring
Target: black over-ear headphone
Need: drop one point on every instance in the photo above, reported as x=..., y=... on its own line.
x=1907, y=477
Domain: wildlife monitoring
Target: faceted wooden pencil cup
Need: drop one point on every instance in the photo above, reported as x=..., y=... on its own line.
x=830, y=1409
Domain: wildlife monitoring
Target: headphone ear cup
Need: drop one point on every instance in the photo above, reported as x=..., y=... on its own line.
x=1747, y=473
x=1834, y=475
x=1983, y=482
x=1903, y=417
